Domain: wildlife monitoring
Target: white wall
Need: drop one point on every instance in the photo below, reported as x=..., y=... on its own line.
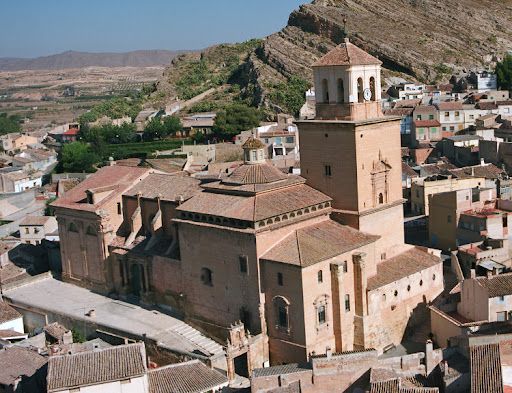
x=135, y=385
x=16, y=325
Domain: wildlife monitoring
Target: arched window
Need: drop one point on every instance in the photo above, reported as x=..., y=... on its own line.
x=360, y=88
x=372, y=88
x=72, y=227
x=207, y=276
x=381, y=198
x=341, y=92
x=91, y=231
x=282, y=308
x=325, y=91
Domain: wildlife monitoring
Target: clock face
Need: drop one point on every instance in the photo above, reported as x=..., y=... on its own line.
x=367, y=94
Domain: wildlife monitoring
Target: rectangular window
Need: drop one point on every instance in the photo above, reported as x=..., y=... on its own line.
x=452, y=128
x=347, y=302
x=207, y=276
x=327, y=170
x=27, y=231
x=278, y=140
x=320, y=277
x=431, y=117
x=289, y=139
x=345, y=267
x=457, y=114
x=280, y=280
x=243, y=263
x=383, y=256
x=321, y=315
x=418, y=117
x=447, y=114
x=119, y=208
x=501, y=298
x=449, y=218
x=501, y=316
x=282, y=315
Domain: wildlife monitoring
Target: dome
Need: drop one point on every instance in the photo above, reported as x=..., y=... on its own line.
x=255, y=174
x=253, y=143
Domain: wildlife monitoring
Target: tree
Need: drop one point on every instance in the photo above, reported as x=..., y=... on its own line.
x=154, y=129
x=172, y=125
x=78, y=157
x=504, y=73
x=234, y=119
x=9, y=124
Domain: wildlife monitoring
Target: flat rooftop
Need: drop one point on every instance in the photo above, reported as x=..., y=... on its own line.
x=56, y=297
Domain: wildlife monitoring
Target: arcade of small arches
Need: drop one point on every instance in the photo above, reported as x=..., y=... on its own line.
x=242, y=224
x=340, y=90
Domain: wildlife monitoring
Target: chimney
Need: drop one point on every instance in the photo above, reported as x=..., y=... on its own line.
x=328, y=353
x=482, y=162
x=473, y=273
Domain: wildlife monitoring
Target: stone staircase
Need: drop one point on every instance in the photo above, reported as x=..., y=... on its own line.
x=205, y=344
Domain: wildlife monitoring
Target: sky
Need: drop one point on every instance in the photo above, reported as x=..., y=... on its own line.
x=32, y=28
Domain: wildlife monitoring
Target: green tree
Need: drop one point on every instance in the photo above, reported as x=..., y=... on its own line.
x=504, y=73
x=171, y=125
x=78, y=157
x=234, y=119
x=9, y=124
x=154, y=129
x=291, y=96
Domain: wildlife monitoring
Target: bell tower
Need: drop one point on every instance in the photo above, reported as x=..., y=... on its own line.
x=351, y=151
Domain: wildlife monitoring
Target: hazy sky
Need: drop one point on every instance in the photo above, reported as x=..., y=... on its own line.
x=41, y=27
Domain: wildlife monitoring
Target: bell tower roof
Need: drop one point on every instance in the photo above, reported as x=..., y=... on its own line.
x=347, y=54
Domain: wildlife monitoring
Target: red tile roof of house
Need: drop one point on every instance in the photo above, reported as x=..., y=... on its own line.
x=427, y=123
x=487, y=106
x=346, y=54
x=7, y=313
x=499, y=285
x=486, y=372
x=450, y=106
x=71, y=132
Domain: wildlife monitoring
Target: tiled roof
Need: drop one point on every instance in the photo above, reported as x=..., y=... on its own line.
x=169, y=187
x=281, y=370
x=489, y=171
x=7, y=313
x=450, y=106
x=391, y=386
x=253, y=143
x=400, y=266
x=406, y=169
x=347, y=54
x=487, y=106
x=486, y=372
x=117, y=178
x=410, y=104
x=255, y=174
x=188, y=377
x=427, y=123
x=316, y=243
x=436, y=169
x=96, y=367
x=255, y=207
x=9, y=333
x=499, y=285
x=56, y=330
x=399, y=112
x=16, y=361
x=35, y=220
x=425, y=109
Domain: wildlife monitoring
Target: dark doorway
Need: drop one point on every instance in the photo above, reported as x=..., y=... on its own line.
x=241, y=366
x=135, y=279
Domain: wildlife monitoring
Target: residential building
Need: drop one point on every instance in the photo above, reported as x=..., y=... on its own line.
x=423, y=187
x=486, y=81
x=460, y=217
x=16, y=142
x=13, y=180
x=33, y=229
x=451, y=117
x=23, y=370
x=462, y=150
x=425, y=131
x=407, y=118
x=35, y=160
x=407, y=91
x=11, y=321
x=201, y=123
x=70, y=135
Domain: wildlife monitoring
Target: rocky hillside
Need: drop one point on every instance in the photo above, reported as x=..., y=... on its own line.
x=72, y=59
x=427, y=40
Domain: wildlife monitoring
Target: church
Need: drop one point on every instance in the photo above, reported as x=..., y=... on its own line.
x=281, y=266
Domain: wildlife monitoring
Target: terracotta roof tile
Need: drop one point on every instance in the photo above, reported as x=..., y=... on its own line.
x=96, y=367
x=400, y=266
x=500, y=285
x=255, y=207
x=253, y=143
x=316, y=243
x=427, y=123
x=425, y=110
x=188, y=377
x=347, y=54
x=281, y=370
x=399, y=112
x=411, y=104
x=486, y=372
x=168, y=186
x=486, y=106
x=489, y=171
x=7, y=313
x=35, y=220
x=255, y=174
x=118, y=178
x=450, y=106
x=18, y=361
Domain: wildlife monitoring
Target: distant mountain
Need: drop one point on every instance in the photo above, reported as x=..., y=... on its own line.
x=72, y=59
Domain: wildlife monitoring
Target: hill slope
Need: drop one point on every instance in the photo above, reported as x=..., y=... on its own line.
x=72, y=59
x=425, y=39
